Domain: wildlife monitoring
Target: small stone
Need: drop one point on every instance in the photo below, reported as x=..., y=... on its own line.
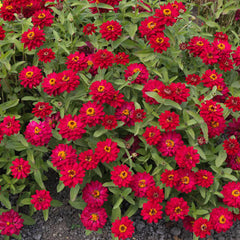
x=37, y=236
x=175, y=231
x=140, y=226
x=221, y=238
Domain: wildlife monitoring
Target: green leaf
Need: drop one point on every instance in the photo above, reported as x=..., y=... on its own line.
x=109, y=184
x=231, y=177
x=9, y=104
x=78, y=204
x=60, y=186
x=221, y=158
x=116, y=213
x=74, y=192
x=131, y=29
x=131, y=210
x=26, y=201
x=38, y=178
x=100, y=132
x=126, y=192
x=45, y=214
x=130, y=200
x=98, y=171
x=27, y=219
x=118, y=203
x=56, y=203
x=5, y=201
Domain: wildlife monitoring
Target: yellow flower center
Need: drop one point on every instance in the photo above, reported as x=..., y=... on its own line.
x=123, y=174
x=122, y=228
x=160, y=40
x=72, y=124
x=75, y=59
x=101, y=88
x=90, y=112
x=199, y=43
x=152, y=212
x=20, y=168
x=156, y=90
x=9, y=7
x=185, y=180
x=235, y=193
x=125, y=112
x=167, y=12
x=37, y=130
x=170, y=143
x=213, y=76
x=222, y=219
x=107, y=149
x=203, y=227
x=41, y=16
x=214, y=124
x=71, y=173
x=65, y=78
x=88, y=158
x=29, y=74
x=170, y=177
x=151, y=25
x=31, y=35
x=110, y=28
x=178, y=210
x=62, y=155
x=52, y=81
x=94, y=217
x=142, y=183
x=95, y=193
x=221, y=46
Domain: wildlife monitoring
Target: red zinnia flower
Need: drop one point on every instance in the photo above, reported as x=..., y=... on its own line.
x=180, y=92
x=169, y=143
x=10, y=223
x=234, y=161
x=101, y=91
x=196, y=45
x=121, y=58
x=109, y=122
x=204, y=178
x=193, y=79
x=72, y=175
x=155, y=194
x=121, y=176
x=77, y=61
x=152, y=135
x=94, y=194
x=202, y=227
x=231, y=194
x=88, y=160
x=33, y=38
x=10, y=126
x=91, y=114
x=38, y=134
x=167, y=14
x=63, y=155
x=46, y=55
x=123, y=228
x=233, y=103
x=221, y=219
x=236, y=56
x=159, y=42
x=111, y=30
x=151, y=211
x=20, y=168
x=51, y=84
x=41, y=200
x=89, y=29
x=135, y=68
x=42, y=110
x=125, y=113
x=30, y=76
x=186, y=180
x=107, y=151
x=187, y=157
x=221, y=36
x=139, y=115
x=211, y=78
x=141, y=182
x=231, y=146
x=42, y=18
x=93, y=218
x=169, y=177
x=150, y=26
x=225, y=64
x=68, y=81
x=176, y=208
x=209, y=55
x=71, y=127
x=117, y=99
x=151, y=86
x=168, y=120
x=7, y=11
x=103, y=59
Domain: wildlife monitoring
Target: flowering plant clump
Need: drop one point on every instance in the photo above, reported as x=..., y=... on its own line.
x=133, y=104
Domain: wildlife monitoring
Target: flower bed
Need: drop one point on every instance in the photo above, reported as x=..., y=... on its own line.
x=130, y=102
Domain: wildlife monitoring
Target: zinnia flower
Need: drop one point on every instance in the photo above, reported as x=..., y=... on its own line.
x=151, y=211
x=41, y=200
x=30, y=76
x=42, y=109
x=123, y=228
x=20, y=168
x=88, y=160
x=46, y=55
x=10, y=126
x=121, y=176
x=202, y=227
x=10, y=223
x=111, y=30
